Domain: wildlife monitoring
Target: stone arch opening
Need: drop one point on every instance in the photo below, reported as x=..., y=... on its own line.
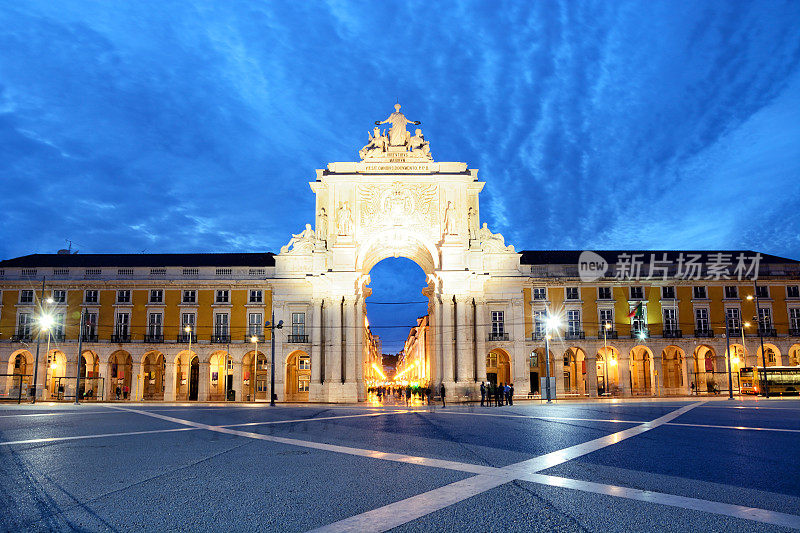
x=574, y=371
x=220, y=376
x=56, y=368
x=120, y=374
x=607, y=366
x=153, y=368
x=20, y=368
x=498, y=367
x=89, y=369
x=672, y=364
x=298, y=376
x=182, y=362
x=793, y=355
x=255, y=376
x=772, y=355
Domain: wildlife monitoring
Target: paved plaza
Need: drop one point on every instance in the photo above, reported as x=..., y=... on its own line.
x=705, y=465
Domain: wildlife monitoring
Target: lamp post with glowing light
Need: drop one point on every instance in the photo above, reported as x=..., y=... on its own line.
x=744, y=348
x=273, y=326
x=728, y=359
x=38, y=344
x=45, y=324
x=606, y=327
x=550, y=323
x=254, y=340
x=760, y=337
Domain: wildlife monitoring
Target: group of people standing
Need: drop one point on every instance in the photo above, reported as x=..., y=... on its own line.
x=399, y=392
x=497, y=395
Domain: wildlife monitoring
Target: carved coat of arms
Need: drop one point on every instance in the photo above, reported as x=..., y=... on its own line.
x=398, y=204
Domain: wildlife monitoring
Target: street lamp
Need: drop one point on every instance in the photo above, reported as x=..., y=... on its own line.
x=273, y=326
x=46, y=322
x=550, y=323
x=606, y=327
x=254, y=340
x=760, y=335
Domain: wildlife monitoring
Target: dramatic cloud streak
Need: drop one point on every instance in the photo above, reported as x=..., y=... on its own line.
x=127, y=126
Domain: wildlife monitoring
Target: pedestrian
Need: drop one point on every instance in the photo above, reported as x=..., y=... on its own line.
x=118, y=392
x=483, y=393
x=428, y=394
x=441, y=393
x=511, y=394
x=125, y=391
x=499, y=394
x=408, y=395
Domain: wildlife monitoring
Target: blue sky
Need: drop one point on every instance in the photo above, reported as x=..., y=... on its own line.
x=195, y=126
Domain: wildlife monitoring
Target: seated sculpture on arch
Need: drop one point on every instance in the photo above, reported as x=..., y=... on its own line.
x=302, y=242
x=492, y=242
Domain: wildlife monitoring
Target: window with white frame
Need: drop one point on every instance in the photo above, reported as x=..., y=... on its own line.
x=670, y=319
x=221, y=324
x=573, y=293
x=304, y=362
x=603, y=293
x=256, y=296
x=57, y=329
x=762, y=291
x=122, y=325
x=59, y=296
x=793, y=291
x=26, y=296
x=90, y=296
x=539, y=323
x=639, y=320
x=298, y=323
x=699, y=292
x=731, y=292
x=540, y=293
x=223, y=296
x=189, y=297
x=498, y=323
x=90, y=324
x=188, y=319
x=156, y=296
x=124, y=296
x=154, y=324
x=764, y=318
x=24, y=324
x=303, y=384
x=794, y=319
x=254, y=322
x=668, y=293
x=733, y=318
x=573, y=322
x=637, y=292
x=701, y=322
x=607, y=317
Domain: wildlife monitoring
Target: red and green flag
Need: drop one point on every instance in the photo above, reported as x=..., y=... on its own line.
x=637, y=311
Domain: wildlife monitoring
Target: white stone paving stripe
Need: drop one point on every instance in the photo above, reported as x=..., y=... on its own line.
x=551, y=459
x=404, y=511
x=96, y=436
x=725, y=509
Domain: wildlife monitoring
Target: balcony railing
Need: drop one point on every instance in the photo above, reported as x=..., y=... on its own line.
x=498, y=336
x=610, y=334
x=184, y=337
x=298, y=338
x=575, y=335
x=121, y=337
x=767, y=332
x=90, y=337
x=153, y=337
x=22, y=336
x=259, y=336
x=640, y=333
x=794, y=332
x=537, y=336
x=672, y=334
x=220, y=339
x=705, y=332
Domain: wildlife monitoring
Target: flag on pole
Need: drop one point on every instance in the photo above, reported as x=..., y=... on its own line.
x=636, y=312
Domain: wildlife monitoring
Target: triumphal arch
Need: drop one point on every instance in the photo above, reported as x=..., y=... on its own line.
x=396, y=201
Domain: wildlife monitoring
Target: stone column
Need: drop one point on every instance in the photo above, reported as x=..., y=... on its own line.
x=447, y=339
x=316, y=335
x=463, y=346
x=591, y=375
x=482, y=320
x=658, y=376
x=169, y=382
x=333, y=366
x=624, y=372
x=137, y=381
x=685, y=362
x=203, y=381
x=520, y=364
x=359, y=338
x=237, y=381
x=351, y=357
x=558, y=368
